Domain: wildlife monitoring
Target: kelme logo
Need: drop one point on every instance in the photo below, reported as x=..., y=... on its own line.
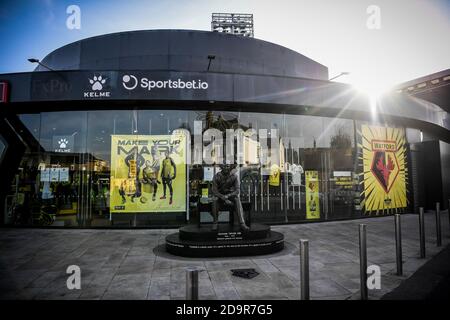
x=97, y=84
x=63, y=143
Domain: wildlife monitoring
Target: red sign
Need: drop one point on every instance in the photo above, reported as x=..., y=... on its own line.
x=3, y=92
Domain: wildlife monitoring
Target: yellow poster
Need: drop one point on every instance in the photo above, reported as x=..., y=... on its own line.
x=312, y=194
x=274, y=178
x=384, y=161
x=148, y=173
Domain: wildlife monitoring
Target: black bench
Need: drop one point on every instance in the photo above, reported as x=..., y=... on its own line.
x=205, y=205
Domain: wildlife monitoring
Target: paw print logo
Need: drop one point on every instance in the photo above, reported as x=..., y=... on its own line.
x=63, y=143
x=97, y=83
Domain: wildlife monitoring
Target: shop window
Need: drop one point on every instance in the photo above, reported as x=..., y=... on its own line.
x=67, y=175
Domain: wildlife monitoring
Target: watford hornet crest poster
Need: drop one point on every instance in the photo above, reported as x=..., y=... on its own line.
x=148, y=173
x=385, y=170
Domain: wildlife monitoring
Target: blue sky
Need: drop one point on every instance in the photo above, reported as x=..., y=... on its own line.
x=413, y=39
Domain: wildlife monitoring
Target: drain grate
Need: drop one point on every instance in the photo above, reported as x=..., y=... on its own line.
x=245, y=273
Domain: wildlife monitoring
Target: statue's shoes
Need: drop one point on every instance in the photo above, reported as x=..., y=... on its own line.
x=244, y=227
x=214, y=227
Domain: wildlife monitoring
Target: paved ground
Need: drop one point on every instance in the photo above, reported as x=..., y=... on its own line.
x=132, y=264
x=430, y=282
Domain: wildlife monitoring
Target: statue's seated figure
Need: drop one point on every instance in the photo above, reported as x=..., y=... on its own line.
x=226, y=190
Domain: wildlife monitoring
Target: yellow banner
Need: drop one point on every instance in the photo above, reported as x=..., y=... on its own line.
x=312, y=195
x=148, y=173
x=384, y=160
x=274, y=178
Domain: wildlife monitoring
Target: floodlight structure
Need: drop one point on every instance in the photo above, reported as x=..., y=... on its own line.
x=235, y=23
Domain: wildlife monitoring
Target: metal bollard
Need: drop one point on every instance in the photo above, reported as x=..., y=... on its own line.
x=448, y=212
x=363, y=261
x=191, y=284
x=304, y=269
x=438, y=225
x=422, y=233
x=398, y=244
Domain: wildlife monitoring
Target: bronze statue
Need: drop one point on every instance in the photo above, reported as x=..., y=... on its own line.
x=226, y=190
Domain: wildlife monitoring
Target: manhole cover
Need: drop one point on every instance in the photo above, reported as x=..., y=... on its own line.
x=245, y=273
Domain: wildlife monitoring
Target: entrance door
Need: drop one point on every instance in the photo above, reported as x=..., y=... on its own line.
x=61, y=167
x=64, y=198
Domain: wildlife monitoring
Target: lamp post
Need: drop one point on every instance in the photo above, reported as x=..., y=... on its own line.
x=345, y=73
x=210, y=57
x=33, y=60
x=58, y=73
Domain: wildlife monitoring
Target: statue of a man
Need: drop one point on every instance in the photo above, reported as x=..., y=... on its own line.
x=226, y=189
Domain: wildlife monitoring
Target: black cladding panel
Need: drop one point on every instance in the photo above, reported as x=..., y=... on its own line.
x=184, y=51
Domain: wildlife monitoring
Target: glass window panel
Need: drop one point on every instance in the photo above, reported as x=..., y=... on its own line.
x=2, y=147
x=277, y=193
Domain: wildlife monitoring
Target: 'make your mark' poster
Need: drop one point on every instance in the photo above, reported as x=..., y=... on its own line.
x=142, y=167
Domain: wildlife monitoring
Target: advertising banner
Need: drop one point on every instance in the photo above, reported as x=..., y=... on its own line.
x=312, y=194
x=343, y=179
x=130, y=84
x=384, y=161
x=45, y=174
x=54, y=174
x=274, y=178
x=148, y=173
x=64, y=174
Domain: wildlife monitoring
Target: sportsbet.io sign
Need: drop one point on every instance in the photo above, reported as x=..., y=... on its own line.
x=100, y=86
x=131, y=82
x=130, y=85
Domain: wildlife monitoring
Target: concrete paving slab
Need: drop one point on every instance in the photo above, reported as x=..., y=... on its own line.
x=132, y=264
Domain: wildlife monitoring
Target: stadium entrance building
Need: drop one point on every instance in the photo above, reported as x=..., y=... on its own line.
x=128, y=129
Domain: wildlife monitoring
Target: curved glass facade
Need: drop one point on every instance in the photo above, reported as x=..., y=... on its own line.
x=78, y=167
